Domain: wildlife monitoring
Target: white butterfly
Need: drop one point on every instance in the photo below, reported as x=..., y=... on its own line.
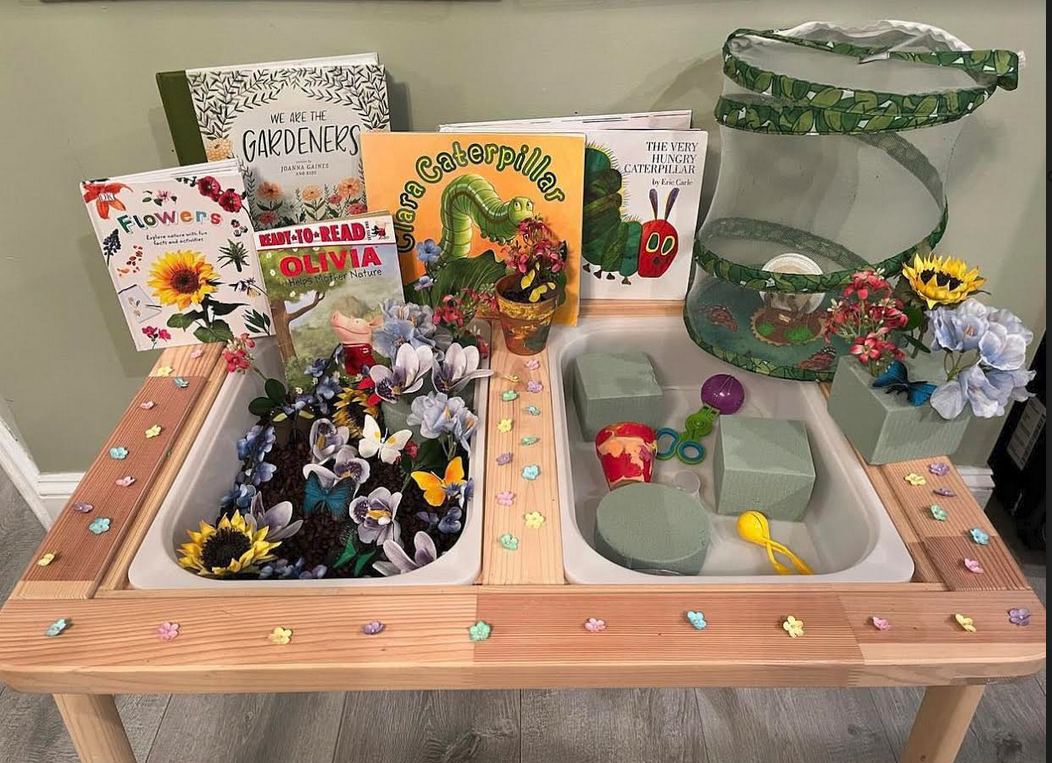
x=389, y=448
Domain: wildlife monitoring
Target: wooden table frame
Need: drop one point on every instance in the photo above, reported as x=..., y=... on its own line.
x=112, y=647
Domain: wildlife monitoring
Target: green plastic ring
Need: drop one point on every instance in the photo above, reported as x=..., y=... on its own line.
x=665, y=455
x=684, y=446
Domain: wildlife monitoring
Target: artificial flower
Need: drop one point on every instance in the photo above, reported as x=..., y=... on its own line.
x=438, y=489
x=372, y=628
x=509, y=542
x=427, y=251
x=456, y=367
x=480, y=631
x=229, y=547
x=347, y=465
x=99, y=525
x=794, y=627
x=399, y=562
x=966, y=623
x=326, y=439
x=958, y=329
x=531, y=472
x=942, y=280
x=594, y=625
x=970, y=386
x=280, y=635
x=915, y=479
x=697, y=620
x=389, y=448
x=504, y=426
x=880, y=623
x=406, y=374
x=1003, y=346
x=1019, y=616
x=167, y=631
x=376, y=516
x=352, y=405
x=277, y=519
x=406, y=324
x=182, y=278
x=46, y=559
x=57, y=627
x=423, y=283
x=439, y=415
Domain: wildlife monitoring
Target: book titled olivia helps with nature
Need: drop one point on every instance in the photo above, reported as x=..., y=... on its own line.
x=294, y=127
x=458, y=201
x=326, y=282
x=178, y=247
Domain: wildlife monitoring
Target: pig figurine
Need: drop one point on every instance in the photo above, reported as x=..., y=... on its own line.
x=356, y=336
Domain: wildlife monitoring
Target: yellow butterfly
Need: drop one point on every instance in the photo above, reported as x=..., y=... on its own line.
x=527, y=279
x=435, y=487
x=536, y=294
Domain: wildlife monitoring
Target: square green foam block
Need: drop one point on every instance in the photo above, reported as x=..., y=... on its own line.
x=608, y=388
x=763, y=464
x=884, y=427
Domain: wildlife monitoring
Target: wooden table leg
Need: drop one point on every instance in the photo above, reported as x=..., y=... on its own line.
x=96, y=728
x=941, y=723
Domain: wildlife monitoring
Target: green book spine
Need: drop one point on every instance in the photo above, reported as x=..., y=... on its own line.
x=182, y=121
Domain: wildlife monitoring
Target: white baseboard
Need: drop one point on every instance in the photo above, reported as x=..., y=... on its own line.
x=45, y=493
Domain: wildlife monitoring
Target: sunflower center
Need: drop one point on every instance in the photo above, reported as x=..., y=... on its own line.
x=224, y=546
x=944, y=280
x=185, y=281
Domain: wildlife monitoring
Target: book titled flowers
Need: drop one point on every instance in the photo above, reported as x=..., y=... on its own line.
x=178, y=247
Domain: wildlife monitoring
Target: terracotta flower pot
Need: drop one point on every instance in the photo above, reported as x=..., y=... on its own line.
x=525, y=324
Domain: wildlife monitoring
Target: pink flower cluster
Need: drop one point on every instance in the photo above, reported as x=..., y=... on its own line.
x=865, y=317
x=237, y=356
x=153, y=333
x=539, y=249
x=229, y=199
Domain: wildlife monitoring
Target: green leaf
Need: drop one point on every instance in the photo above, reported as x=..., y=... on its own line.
x=1002, y=61
x=280, y=417
x=363, y=560
x=762, y=82
x=275, y=391
x=876, y=124
x=804, y=123
x=914, y=315
x=467, y=273
x=260, y=406
x=927, y=106
x=348, y=553
x=219, y=331
x=221, y=308
x=828, y=96
x=184, y=320
x=430, y=457
x=915, y=342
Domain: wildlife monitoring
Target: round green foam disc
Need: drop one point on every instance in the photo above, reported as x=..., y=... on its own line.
x=647, y=526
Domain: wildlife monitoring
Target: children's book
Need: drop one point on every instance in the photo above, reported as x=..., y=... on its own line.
x=641, y=199
x=295, y=128
x=326, y=282
x=678, y=119
x=178, y=246
x=458, y=201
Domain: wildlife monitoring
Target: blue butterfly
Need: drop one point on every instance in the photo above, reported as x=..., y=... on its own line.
x=897, y=380
x=336, y=498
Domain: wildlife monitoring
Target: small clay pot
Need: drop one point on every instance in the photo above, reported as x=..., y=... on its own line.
x=525, y=325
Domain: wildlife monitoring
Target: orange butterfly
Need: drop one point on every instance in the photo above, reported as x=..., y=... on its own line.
x=105, y=196
x=435, y=487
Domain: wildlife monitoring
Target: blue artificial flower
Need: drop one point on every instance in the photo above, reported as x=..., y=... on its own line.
x=423, y=283
x=1011, y=385
x=240, y=497
x=257, y=442
x=317, y=367
x=328, y=387
x=451, y=523
x=431, y=413
x=972, y=387
x=262, y=472
x=391, y=335
x=1003, y=346
x=959, y=329
x=427, y=251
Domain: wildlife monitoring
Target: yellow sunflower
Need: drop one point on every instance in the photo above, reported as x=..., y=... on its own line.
x=229, y=547
x=351, y=406
x=179, y=278
x=942, y=280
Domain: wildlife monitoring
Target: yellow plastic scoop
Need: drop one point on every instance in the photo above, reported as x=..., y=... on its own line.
x=753, y=527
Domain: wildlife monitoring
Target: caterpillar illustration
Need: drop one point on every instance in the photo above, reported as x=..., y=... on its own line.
x=613, y=244
x=471, y=200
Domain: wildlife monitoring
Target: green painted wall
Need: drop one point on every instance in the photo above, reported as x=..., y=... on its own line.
x=79, y=100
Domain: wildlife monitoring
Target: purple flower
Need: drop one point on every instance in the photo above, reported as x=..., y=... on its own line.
x=451, y=522
x=257, y=442
x=406, y=375
x=240, y=498
x=456, y=367
x=939, y=469
x=277, y=519
x=399, y=561
x=373, y=627
x=504, y=459
x=1019, y=616
x=534, y=386
x=423, y=283
x=317, y=367
x=958, y=329
x=376, y=516
x=945, y=492
x=326, y=439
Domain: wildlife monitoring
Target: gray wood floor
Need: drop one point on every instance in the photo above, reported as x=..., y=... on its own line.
x=629, y=726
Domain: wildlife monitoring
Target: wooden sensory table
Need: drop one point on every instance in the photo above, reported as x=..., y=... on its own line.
x=111, y=645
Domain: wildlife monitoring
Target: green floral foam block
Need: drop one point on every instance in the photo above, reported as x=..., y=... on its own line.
x=762, y=464
x=884, y=427
x=608, y=388
x=647, y=526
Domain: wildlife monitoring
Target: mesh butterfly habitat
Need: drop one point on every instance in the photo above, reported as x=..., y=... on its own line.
x=836, y=144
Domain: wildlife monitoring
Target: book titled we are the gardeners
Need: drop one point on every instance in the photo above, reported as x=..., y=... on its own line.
x=294, y=127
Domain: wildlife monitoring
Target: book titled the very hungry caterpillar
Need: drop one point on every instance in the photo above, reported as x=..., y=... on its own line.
x=178, y=247
x=326, y=282
x=458, y=200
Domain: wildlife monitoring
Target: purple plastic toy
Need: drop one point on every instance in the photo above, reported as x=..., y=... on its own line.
x=724, y=393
